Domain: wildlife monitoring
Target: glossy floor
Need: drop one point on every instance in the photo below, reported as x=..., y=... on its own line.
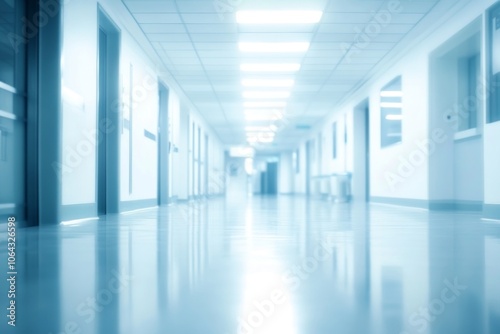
x=266, y=265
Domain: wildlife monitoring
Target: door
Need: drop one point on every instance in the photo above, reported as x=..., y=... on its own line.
x=361, y=142
x=102, y=115
x=108, y=118
x=12, y=114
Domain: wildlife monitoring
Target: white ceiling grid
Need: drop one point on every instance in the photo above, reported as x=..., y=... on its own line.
x=199, y=46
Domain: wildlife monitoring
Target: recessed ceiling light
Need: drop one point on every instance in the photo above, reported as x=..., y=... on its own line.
x=267, y=83
x=388, y=93
x=264, y=104
x=270, y=67
x=274, y=47
x=392, y=105
x=279, y=17
x=263, y=115
x=257, y=129
x=394, y=117
x=266, y=95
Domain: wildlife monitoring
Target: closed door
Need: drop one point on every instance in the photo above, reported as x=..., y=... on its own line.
x=12, y=113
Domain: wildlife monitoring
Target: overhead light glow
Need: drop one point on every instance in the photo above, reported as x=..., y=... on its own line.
x=264, y=104
x=270, y=67
x=280, y=47
x=266, y=95
x=394, y=117
x=257, y=129
x=390, y=93
x=263, y=115
x=279, y=17
x=268, y=83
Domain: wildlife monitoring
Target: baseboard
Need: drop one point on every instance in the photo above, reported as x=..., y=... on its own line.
x=136, y=205
x=451, y=205
x=413, y=203
x=491, y=211
x=433, y=205
x=78, y=211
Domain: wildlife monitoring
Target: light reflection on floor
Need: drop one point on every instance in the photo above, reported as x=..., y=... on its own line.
x=266, y=265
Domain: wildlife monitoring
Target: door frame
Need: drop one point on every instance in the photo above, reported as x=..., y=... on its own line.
x=110, y=201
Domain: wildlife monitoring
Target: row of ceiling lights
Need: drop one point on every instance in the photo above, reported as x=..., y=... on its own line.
x=263, y=100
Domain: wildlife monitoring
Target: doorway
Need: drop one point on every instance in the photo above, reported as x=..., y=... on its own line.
x=269, y=179
x=13, y=135
x=361, y=141
x=108, y=119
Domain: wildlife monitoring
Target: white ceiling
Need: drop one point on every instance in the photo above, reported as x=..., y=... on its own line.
x=198, y=44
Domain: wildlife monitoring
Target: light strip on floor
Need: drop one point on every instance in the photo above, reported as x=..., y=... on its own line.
x=280, y=47
x=278, y=16
x=77, y=221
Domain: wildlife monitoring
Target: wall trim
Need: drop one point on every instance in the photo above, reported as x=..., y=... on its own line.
x=433, y=205
x=414, y=203
x=491, y=211
x=139, y=204
x=78, y=211
x=444, y=205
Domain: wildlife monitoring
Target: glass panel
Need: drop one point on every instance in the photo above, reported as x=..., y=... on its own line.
x=494, y=112
x=391, y=103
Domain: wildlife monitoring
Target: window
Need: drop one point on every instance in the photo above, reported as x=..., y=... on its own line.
x=494, y=58
x=391, y=103
x=334, y=140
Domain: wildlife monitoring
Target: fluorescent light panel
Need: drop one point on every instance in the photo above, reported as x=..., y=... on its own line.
x=394, y=117
x=272, y=104
x=266, y=95
x=268, y=83
x=263, y=115
x=280, y=47
x=257, y=129
x=393, y=105
x=279, y=17
x=270, y=67
x=389, y=93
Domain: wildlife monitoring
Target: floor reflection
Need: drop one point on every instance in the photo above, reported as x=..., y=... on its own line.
x=265, y=265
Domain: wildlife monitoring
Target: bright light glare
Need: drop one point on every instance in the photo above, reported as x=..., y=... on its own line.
x=394, y=117
x=393, y=105
x=282, y=47
x=268, y=83
x=264, y=104
x=263, y=115
x=266, y=95
x=270, y=67
x=249, y=166
x=279, y=17
x=389, y=93
x=257, y=129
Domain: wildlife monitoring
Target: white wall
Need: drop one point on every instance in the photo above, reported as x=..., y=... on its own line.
x=405, y=170
x=138, y=86
x=79, y=107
